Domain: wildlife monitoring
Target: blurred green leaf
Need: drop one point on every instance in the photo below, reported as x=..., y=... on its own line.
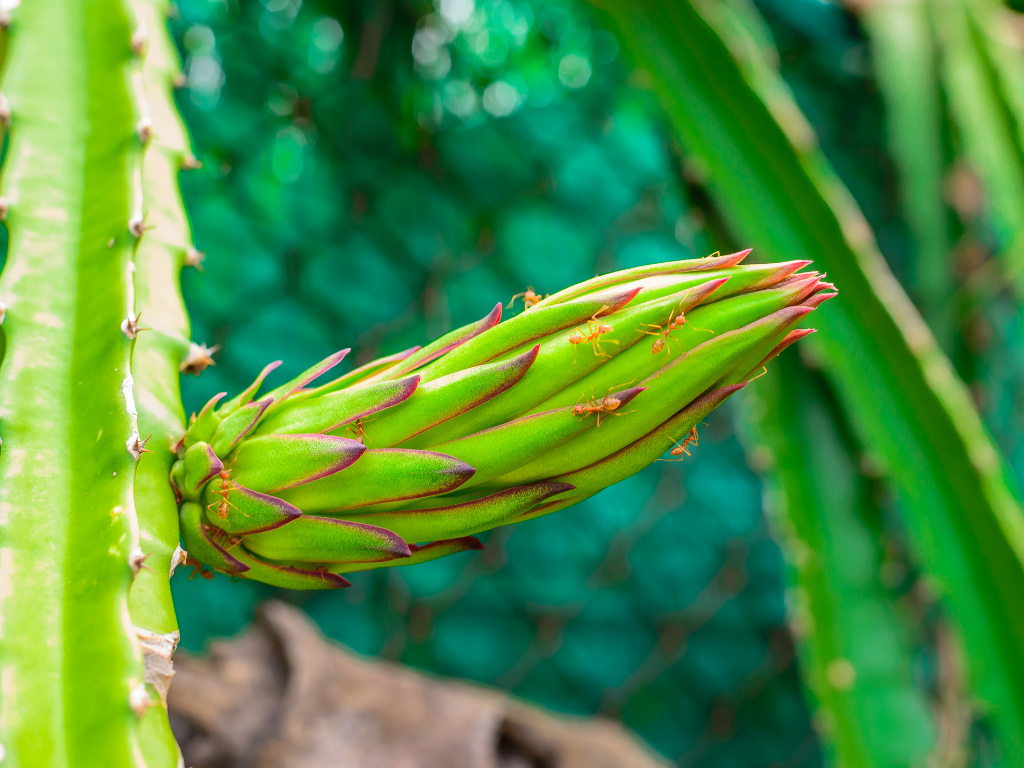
x=762, y=168
x=981, y=81
x=905, y=59
x=856, y=633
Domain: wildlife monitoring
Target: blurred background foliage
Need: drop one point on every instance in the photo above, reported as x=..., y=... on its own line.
x=376, y=173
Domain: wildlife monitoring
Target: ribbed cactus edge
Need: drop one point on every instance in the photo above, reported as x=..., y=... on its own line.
x=163, y=248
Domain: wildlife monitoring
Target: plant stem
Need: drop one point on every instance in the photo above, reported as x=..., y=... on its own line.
x=72, y=668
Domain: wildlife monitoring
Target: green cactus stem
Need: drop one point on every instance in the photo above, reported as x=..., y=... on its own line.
x=71, y=670
x=160, y=354
x=493, y=424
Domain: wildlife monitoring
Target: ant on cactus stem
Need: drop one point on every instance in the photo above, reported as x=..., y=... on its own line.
x=530, y=299
x=592, y=335
x=609, y=405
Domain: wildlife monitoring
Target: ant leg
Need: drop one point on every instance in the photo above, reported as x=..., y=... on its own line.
x=679, y=455
x=764, y=370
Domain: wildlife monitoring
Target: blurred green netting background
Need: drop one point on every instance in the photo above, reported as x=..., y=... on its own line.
x=377, y=173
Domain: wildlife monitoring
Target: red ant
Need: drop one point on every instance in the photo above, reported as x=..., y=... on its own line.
x=593, y=335
x=683, y=447
x=221, y=537
x=530, y=299
x=675, y=322
x=197, y=569
x=609, y=405
x=357, y=426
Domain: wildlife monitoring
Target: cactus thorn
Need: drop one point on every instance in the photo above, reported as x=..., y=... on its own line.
x=178, y=81
x=198, y=359
x=139, y=446
x=137, y=225
x=137, y=560
x=140, y=700
x=110, y=243
x=5, y=111
x=5, y=12
x=194, y=258
x=5, y=207
x=191, y=163
x=144, y=130
x=130, y=325
x=140, y=41
x=3, y=312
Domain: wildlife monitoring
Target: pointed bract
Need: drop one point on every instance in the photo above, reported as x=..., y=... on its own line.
x=241, y=511
x=382, y=475
x=269, y=463
x=237, y=425
x=419, y=554
x=200, y=464
x=322, y=414
x=325, y=540
x=446, y=344
x=467, y=518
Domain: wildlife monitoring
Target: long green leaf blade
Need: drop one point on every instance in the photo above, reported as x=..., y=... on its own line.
x=854, y=632
x=912, y=411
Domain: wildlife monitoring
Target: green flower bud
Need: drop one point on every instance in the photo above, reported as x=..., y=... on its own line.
x=404, y=459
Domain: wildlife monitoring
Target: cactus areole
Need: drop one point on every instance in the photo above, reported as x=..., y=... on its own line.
x=402, y=460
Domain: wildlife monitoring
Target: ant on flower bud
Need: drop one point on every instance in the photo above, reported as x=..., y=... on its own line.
x=683, y=447
x=592, y=334
x=609, y=405
x=530, y=299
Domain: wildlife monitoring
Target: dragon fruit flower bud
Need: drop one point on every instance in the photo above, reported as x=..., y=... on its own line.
x=404, y=459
